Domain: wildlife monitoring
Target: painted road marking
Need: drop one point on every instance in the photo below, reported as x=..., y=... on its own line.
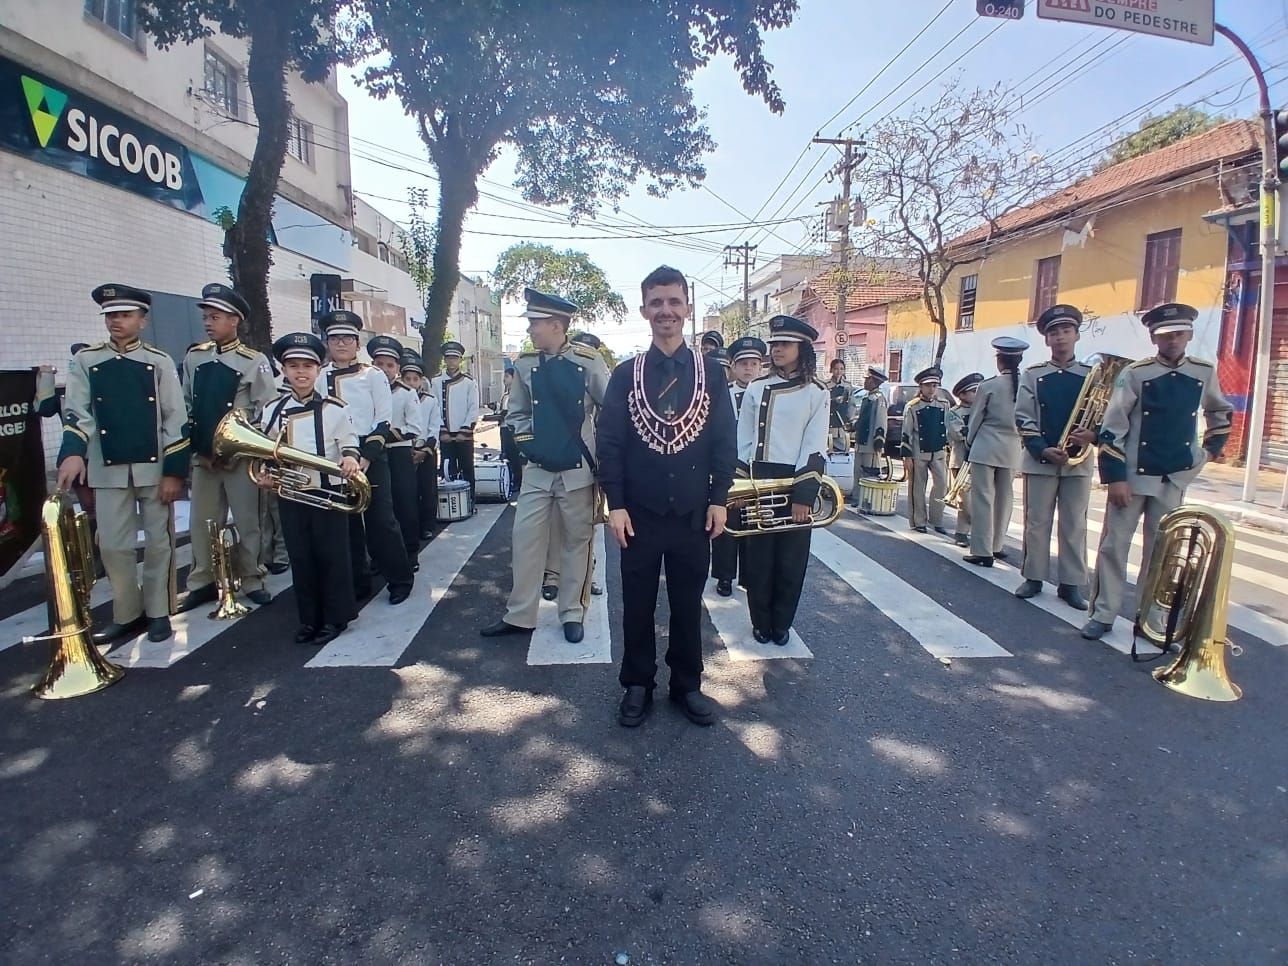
x=548, y=645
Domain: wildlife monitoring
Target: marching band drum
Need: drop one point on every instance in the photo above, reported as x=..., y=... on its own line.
x=840, y=467
x=492, y=480
x=455, y=502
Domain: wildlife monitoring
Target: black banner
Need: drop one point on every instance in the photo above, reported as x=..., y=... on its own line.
x=22, y=466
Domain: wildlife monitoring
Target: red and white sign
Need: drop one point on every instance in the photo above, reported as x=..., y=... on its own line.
x=842, y=338
x=1192, y=20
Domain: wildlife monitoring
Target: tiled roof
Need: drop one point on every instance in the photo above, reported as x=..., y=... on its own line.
x=865, y=289
x=1236, y=139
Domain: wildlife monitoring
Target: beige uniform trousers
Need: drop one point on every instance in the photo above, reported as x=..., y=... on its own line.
x=992, y=497
x=272, y=545
x=537, y=507
x=1109, y=584
x=214, y=493
x=1043, y=495
x=121, y=513
x=937, y=469
x=963, y=515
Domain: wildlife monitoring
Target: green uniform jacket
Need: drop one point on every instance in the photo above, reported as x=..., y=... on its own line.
x=218, y=379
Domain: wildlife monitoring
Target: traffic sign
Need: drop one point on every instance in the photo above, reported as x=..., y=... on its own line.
x=1192, y=20
x=842, y=338
x=1005, y=9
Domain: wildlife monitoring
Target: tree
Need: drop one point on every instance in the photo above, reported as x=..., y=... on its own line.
x=931, y=177
x=1158, y=132
x=590, y=96
x=568, y=274
x=284, y=36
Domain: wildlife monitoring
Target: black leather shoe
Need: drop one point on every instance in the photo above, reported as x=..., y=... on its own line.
x=305, y=634
x=978, y=561
x=328, y=633
x=427, y=534
x=574, y=632
x=400, y=593
x=920, y=529
x=1030, y=588
x=550, y=592
x=259, y=597
x=1001, y=555
x=159, y=629
x=635, y=706
x=1094, y=630
x=961, y=539
x=115, y=632
x=1072, y=596
x=781, y=639
x=760, y=636
x=697, y=707
x=724, y=588
x=596, y=590
x=277, y=569
x=415, y=564
x=943, y=530
x=195, y=598
x=501, y=628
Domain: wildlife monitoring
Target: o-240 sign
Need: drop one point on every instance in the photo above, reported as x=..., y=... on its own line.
x=1005, y=9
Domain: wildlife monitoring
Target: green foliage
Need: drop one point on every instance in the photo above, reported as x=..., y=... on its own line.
x=224, y=217
x=418, y=243
x=1158, y=132
x=568, y=274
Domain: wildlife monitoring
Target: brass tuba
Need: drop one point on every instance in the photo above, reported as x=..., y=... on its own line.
x=959, y=490
x=765, y=506
x=1093, y=399
x=76, y=667
x=1184, y=598
x=288, y=467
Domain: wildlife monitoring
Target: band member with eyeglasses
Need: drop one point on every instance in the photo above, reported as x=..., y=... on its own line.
x=993, y=453
x=870, y=426
x=926, y=422
x=964, y=390
x=728, y=554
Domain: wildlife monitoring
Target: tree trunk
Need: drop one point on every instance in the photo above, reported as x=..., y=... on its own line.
x=249, y=244
x=458, y=191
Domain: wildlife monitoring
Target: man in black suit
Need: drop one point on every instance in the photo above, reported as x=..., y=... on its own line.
x=667, y=447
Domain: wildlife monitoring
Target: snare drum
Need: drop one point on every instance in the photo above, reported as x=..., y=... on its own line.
x=840, y=467
x=878, y=497
x=455, y=501
x=492, y=483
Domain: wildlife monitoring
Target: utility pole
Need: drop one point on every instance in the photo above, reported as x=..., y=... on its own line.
x=844, y=168
x=743, y=256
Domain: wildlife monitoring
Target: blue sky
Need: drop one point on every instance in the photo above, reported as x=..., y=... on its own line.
x=1075, y=79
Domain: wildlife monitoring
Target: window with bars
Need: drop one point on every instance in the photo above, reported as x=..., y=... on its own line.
x=1047, y=285
x=894, y=368
x=1162, y=266
x=221, y=83
x=966, y=303
x=299, y=141
x=117, y=14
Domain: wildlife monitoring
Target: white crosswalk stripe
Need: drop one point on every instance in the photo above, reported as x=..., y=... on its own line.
x=548, y=644
x=732, y=621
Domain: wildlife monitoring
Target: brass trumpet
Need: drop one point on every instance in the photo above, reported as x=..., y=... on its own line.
x=223, y=540
x=765, y=506
x=1093, y=399
x=288, y=468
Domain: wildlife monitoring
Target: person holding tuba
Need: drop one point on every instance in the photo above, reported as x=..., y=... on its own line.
x=1048, y=393
x=870, y=426
x=782, y=433
x=926, y=422
x=993, y=453
x=964, y=389
x=728, y=554
x=1150, y=449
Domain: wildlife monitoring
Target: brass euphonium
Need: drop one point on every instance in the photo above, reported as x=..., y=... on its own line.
x=1184, y=598
x=288, y=468
x=76, y=667
x=223, y=541
x=765, y=506
x=1093, y=399
x=959, y=490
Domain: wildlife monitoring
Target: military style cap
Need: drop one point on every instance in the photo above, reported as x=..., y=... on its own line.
x=225, y=299
x=788, y=328
x=721, y=356
x=385, y=345
x=452, y=349
x=340, y=322
x=1007, y=346
x=878, y=374
x=113, y=297
x=588, y=339
x=412, y=362
x=1058, y=315
x=543, y=306
x=299, y=345
x=933, y=374
x=748, y=347
x=967, y=382
x=1170, y=317
x=714, y=337
x=77, y=346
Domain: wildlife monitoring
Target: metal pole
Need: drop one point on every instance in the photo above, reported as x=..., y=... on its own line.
x=843, y=282
x=1265, y=313
x=746, y=289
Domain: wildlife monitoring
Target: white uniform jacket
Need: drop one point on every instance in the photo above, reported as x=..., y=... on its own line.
x=365, y=392
x=431, y=417
x=782, y=430
x=458, y=401
x=408, y=424
x=315, y=424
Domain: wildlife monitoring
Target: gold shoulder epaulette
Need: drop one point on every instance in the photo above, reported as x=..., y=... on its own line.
x=1142, y=362
x=151, y=348
x=202, y=346
x=1200, y=362
x=585, y=351
x=820, y=383
x=247, y=351
x=335, y=399
x=1036, y=365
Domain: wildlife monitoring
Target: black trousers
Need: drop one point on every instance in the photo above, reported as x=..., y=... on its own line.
x=510, y=450
x=402, y=485
x=680, y=544
x=320, y=568
x=427, y=491
x=377, y=531
x=728, y=557
x=774, y=570
x=458, y=459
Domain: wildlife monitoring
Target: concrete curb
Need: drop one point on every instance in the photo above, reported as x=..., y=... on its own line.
x=1248, y=515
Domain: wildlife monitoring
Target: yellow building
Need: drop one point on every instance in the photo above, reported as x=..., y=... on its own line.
x=1113, y=244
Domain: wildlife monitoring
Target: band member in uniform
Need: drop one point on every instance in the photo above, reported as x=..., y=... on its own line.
x=219, y=377
x=727, y=552
x=841, y=419
x=425, y=453
x=315, y=536
x=1148, y=451
x=964, y=390
x=458, y=401
x=993, y=451
x=272, y=545
x=405, y=428
x=926, y=421
x=365, y=392
x=870, y=426
x=711, y=341
x=123, y=415
x=1048, y=392
x=782, y=432
x=667, y=446
x=513, y=459
x=556, y=390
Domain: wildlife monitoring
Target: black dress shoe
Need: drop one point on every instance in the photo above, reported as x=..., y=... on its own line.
x=114, y=632
x=943, y=530
x=781, y=639
x=306, y=634
x=415, y=564
x=1001, y=554
x=427, y=534
x=195, y=598
x=697, y=707
x=1072, y=596
x=724, y=588
x=328, y=633
x=550, y=592
x=1030, y=588
x=1094, y=630
x=596, y=590
x=760, y=636
x=277, y=569
x=635, y=706
x=574, y=632
x=920, y=529
x=978, y=561
x=961, y=539
x=159, y=629
x=259, y=597
x=501, y=628
x=400, y=593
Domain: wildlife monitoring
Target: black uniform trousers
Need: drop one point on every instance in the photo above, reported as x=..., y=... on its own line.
x=377, y=531
x=510, y=450
x=728, y=559
x=427, y=491
x=774, y=571
x=321, y=571
x=402, y=485
x=679, y=543
x=458, y=459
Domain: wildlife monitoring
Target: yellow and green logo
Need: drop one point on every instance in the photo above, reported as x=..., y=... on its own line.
x=46, y=106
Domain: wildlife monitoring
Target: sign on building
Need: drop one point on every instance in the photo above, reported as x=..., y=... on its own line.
x=1192, y=20
x=1003, y=9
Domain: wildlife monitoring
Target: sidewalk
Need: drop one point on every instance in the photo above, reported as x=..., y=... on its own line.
x=1221, y=488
